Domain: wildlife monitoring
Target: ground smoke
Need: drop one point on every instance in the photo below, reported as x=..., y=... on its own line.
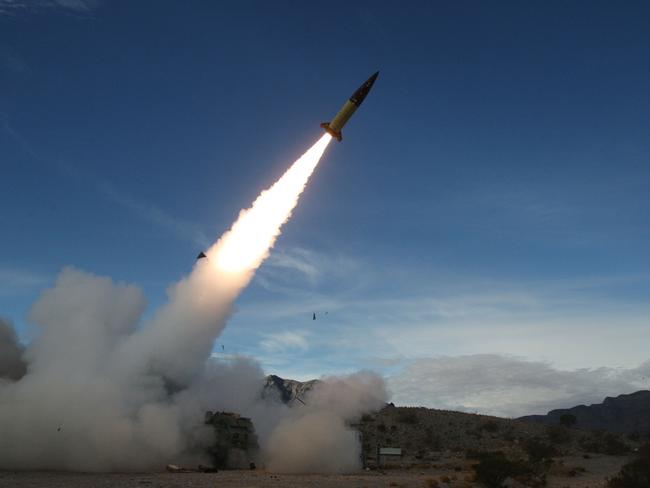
x=97, y=390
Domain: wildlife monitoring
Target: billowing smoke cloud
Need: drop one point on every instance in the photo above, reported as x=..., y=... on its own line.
x=317, y=437
x=103, y=391
x=12, y=363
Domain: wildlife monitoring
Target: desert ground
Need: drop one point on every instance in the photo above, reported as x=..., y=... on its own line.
x=453, y=474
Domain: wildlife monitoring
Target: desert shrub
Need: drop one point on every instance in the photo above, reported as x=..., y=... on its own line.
x=614, y=446
x=634, y=436
x=538, y=450
x=644, y=451
x=477, y=455
x=509, y=435
x=366, y=417
x=432, y=440
x=558, y=434
x=473, y=433
x=407, y=417
x=568, y=419
x=635, y=474
x=605, y=444
x=495, y=468
x=490, y=426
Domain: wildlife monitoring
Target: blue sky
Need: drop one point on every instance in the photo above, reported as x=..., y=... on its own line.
x=490, y=199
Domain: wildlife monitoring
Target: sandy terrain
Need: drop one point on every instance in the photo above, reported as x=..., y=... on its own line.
x=597, y=469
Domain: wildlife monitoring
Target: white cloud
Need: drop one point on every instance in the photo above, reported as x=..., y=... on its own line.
x=13, y=279
x=402, y=314
x=295, y=259
x=508, y=386
x=288, y=340
x=78, y=5
x=13, y=7
x=297, y=271
x=569, y=336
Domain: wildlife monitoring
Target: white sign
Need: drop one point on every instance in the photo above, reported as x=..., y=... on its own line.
x=390, y=451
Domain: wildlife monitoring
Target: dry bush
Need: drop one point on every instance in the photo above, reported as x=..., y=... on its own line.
x=558, y=434
x=490, y=426
x=635, y=474
x=407, y=417
x=470, y=478
x=494, y=468
x=431, y=483
x=538, y=450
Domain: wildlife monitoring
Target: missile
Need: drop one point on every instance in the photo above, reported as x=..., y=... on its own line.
x=340, y=119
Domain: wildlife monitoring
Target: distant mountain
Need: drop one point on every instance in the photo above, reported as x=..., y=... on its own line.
x=286, y=391
x=622, y=414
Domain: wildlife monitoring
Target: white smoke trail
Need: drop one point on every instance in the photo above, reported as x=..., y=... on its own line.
x=100, y=393
x=182, y=333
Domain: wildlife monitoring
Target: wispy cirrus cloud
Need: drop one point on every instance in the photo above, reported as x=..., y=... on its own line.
x=585, y=321
x=188, y=231
x=185, y=230
x=296, y=259
x=277, y=342
x=298, y=271
x=17, y=7
x=14, y=279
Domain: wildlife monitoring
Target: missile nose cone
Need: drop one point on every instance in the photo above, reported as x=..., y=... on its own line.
x=358, y=96
x=370, y=81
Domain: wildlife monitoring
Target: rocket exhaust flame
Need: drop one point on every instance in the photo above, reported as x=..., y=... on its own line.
x=247, y=243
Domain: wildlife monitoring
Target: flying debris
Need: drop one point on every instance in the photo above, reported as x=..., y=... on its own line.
x=201, y=256
x=340, y=119
x=314, y=317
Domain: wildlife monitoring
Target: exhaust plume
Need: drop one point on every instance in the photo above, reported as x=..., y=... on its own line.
x=103, y=392
x=12, y=363
x=317, y=437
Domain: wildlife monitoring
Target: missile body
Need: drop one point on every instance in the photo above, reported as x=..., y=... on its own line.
x=340, y=119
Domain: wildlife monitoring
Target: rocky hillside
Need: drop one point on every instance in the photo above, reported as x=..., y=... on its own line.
x=424, y=434
x=285, y=391
x=623, y=414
